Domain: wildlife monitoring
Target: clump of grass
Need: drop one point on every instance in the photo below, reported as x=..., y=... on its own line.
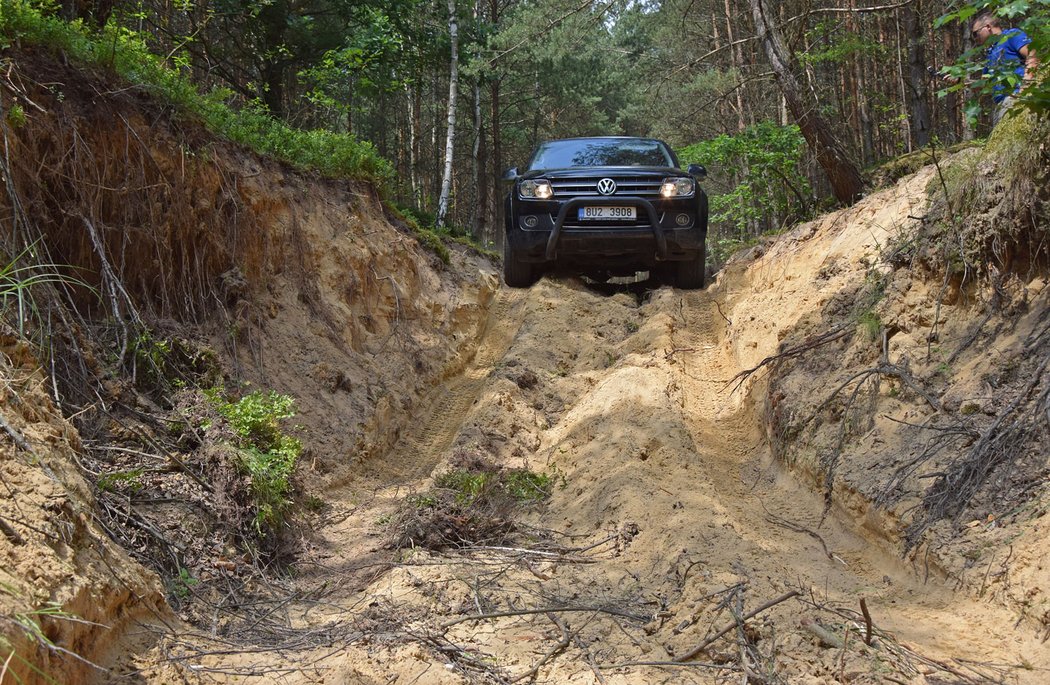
x=469, y=484
x=129, y=480
x=435, y=239
x=428, y=237
x=125, y=52
x=16, y=116
x=19, y=275
x=865, y=310
x=870, y=323
x=472, y=503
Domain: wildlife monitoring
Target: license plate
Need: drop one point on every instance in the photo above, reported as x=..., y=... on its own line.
x=593, y=213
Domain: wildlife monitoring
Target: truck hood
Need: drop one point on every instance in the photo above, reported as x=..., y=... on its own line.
x=611, y=171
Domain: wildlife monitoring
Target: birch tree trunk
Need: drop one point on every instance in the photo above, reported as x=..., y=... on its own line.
x=967, y=127
x=846, y=181
x=450, y=136
x=498, y=210
x=413, y=141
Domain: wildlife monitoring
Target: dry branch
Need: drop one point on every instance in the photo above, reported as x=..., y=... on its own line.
x=826, y=637
x=748, y=616
x=780, y=521
x=1003, y=440
x=20, y=441
x=113, y=285
x=867, y=621
x=810, y=343
x=546, y=610
x=566, y=638
x=10, y=533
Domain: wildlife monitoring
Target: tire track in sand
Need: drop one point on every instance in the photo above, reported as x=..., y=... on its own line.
x=350, y=548
x=435, y=425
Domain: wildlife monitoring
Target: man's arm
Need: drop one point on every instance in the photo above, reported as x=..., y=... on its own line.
x=1031, y=64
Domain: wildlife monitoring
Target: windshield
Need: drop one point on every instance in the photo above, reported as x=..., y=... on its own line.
x=563, y=154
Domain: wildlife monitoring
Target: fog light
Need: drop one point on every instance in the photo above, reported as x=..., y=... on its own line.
x=530, y=221
x=682, y=219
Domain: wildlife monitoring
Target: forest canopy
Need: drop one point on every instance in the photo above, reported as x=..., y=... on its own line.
x=790, y=104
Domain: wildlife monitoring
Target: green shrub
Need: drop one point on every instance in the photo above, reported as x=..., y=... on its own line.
x=473, y=503
x=764, y=161
x=267, y=454
x=519, y=484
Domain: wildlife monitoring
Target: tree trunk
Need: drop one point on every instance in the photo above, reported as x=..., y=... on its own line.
x=413, y=141
x=860, y=93
x=495, y=122
x=918, y=110
x=738, y=64
x=450, y=135
x=476, y=166
x=845, y=179
x=867, y=132
x=274, y=20
x=481, y=200
x=497, y=162
x=968, y=132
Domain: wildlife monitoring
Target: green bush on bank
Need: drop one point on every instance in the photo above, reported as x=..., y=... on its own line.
x=34, y=22
x=267, y=454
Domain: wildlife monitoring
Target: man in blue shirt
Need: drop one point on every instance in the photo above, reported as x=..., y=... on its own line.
x=1010, y=59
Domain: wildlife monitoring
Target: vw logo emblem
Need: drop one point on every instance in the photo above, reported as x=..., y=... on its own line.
x=606, y=186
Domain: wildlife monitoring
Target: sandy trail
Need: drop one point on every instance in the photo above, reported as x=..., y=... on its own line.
x=673, y=516
x=674, y=498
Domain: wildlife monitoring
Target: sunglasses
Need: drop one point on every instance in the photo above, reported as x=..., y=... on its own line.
x=977, y=31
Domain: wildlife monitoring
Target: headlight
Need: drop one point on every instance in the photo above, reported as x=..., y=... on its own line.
x=540, y=189
x=677, y=187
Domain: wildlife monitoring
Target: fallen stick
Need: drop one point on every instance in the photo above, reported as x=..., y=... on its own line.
x=867, y=622
x=566, y=638
x=545, y=610
x=751, y=614
x=826, y=637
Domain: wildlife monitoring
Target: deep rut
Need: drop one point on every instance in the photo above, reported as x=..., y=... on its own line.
x=431, y=431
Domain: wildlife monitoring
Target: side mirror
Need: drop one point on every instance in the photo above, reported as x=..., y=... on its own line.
x=511, y=174
x=699, y=171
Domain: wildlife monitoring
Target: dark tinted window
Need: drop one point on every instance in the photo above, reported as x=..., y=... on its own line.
x=562, y=154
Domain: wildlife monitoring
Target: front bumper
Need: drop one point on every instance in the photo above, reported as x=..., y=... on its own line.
x=657, y=236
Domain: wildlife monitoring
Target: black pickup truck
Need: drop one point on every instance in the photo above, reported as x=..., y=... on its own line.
x=603, y=207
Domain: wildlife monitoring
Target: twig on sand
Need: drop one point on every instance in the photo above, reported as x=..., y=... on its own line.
x=20, y=441
x=867, y=622
x=780, y=521
x=566, y=638
x=545, y=610
x=582, y=646
x=749, y=615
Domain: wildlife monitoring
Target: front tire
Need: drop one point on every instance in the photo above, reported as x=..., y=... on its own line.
x=686, y=275
x=689, y=275
x=516, y=273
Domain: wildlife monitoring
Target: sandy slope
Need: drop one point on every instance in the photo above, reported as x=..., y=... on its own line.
x=672, y=513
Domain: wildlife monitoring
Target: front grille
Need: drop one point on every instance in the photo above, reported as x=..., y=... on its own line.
x=568, y=188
